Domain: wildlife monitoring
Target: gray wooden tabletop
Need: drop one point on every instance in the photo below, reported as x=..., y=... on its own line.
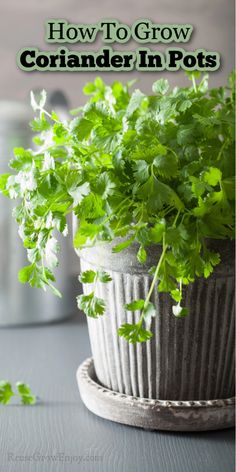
x=60, y=434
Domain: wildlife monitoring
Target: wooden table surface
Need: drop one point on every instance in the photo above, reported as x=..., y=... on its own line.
x=59, y=434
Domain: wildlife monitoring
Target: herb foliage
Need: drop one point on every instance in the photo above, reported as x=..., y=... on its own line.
x=23, y=391
x=153, y=169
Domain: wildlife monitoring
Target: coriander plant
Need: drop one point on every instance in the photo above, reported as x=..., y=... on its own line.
x=152, y=169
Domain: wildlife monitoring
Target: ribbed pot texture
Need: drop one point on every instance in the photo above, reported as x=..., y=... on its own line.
x=188, y=358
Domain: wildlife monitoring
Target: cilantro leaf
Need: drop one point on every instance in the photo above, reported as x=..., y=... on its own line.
x=6, y=392
x=135, y=102
x=135, y=305
x=149, y=312
x=27, y=397
x=141, y=171
x=179, y=311
x=213, y=176
x=141, y=255
x=157, y=194
x=25, y=273
x=134, y=333
x=87, y=277
x=157, y=231
x=161, y=86
x=104, y=277
x=166, y=165
x=91, y=305
x=121, y=246
x=40, y=124
x=81, y=127
x=3, y=184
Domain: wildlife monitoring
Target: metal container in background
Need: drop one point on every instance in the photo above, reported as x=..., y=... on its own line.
x=22, y=304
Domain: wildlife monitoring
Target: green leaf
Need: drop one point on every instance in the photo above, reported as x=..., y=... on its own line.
x=79, y=192
x=135, y=305
x=51, y=250
x=87, y=277
x=134, y=333
x=156, y=233
x=179, y=311
x=104, y=185
x=166, y=165
x=161, y=86
x=79, y=239
x=162, y=150
x=213, y=176
x=54, y=116
x=3, y=184
x=84, y=232
x=40, y=124
x=143, y=235
x=25, y=273
x=91, y=207
x=141, y=255
x=6, y=392
x=60, y=134
x=176, y=295
x=185, y=105
x=141, y=171
x=104, y=277
x=27, y=397
x=23, y=159
x=135, y=102
x=166, y=275
x=89, y=88
x=99, y=84
x=211, y=259
x=91, y=305
x=121, y=246
x=82, y=128
x=157, y=194
x=149, y=312
x=185, y=135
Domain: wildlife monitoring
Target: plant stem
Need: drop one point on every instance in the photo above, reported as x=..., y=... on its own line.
x=114, y=212
x=175, y=220
x=194, y=83
x=164, y=248
x=222, y=149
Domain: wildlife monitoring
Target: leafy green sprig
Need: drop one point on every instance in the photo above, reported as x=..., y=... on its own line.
x=23, y=392
x=90, y=303
x=151, y=170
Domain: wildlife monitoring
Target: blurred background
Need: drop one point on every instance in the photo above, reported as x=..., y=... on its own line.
x=22, y=25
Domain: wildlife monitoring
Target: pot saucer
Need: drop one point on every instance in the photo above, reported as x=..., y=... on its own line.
x=152, y=414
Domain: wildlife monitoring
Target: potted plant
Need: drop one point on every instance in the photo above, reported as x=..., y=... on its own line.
x=149, y=180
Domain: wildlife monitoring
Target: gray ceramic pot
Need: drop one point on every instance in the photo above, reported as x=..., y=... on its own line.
x=189, y=358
